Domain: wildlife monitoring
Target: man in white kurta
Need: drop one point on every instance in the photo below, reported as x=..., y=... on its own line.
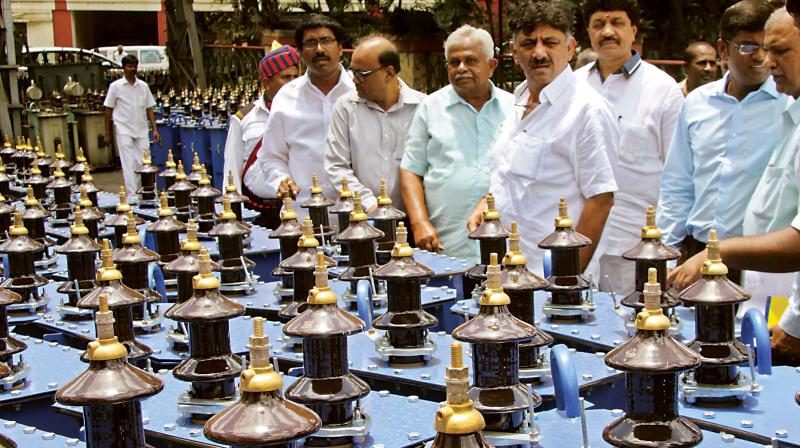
x=646, y=102
x=130, y=103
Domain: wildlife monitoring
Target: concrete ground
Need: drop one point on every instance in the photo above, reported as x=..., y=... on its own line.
x=108, y=180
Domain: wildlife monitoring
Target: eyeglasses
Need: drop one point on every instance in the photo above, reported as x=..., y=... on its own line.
x=363, y=74
x=746, y=49
x=325, y=42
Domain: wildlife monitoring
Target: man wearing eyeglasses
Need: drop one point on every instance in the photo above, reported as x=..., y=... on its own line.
x=725, y=135
x=447, y=160
x=562, y=140
x=293, y=145
x=646, y=102
x=368, y=129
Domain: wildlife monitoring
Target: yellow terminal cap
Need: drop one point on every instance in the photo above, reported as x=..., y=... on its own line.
x=457, y=416
x=514, y=256
x=713, y=264
x=563, y=221
x=401, y=247
x=108, y=271
x=652, y=317
x=490, y=214
x=358, y=211
x=650, y=231
x=205, y=279
x=106, y=347
x=321, y=293
x=383, y=198
x=493, y=294
x=260, y=376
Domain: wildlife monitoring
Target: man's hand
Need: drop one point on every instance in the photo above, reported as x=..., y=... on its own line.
x=288, y=187
x=785, y=347
x=156, y=137
x=476, y=217
x=107, y=140
x=687, y=273
x=426, y=237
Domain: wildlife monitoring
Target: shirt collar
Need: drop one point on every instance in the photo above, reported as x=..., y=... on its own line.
x=407, y=96
x=344, y=80
x=793, y=110
x=767, y=87
x=455, y=98
x=553, y=91
x=628, y=68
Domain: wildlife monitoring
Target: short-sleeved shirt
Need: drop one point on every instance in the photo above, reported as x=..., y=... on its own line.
x=130, y=103
x=449, y=146
x=790, y=321
x=567, y=146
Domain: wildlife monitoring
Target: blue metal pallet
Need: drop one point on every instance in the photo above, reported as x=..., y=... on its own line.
x=30, y=436
x=152, y=213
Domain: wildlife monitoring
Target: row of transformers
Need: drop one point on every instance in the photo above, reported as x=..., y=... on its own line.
x=323, y=404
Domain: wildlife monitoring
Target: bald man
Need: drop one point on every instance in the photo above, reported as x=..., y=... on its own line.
x=368, y=128
x=701, y=66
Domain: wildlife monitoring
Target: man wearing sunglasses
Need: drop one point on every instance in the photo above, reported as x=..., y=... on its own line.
x=725, y=134
x=292, y=148
x=368, y=128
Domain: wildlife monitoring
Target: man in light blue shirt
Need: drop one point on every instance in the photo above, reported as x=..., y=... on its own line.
x=725, y=134
x=446, y=165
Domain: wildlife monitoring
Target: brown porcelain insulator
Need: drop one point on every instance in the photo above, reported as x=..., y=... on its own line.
x=110, y=391
x=166, y=230
x=22, y=251
x=187, y=264
x=81, y=252
x=495, y=335
x=317, y=206
x=360, y=239
x=714, y=298
x=79, y=168
x=491, y=236
x=651, y=418
x=236, y=199
x=60, y=161
x=197, y=169
x=132, y=260
x=457, y=423
x=7, y=155
x=119, y=221
x=566, y=282
x=5, y=182
x=650, y=253
x=327, y=387
x=204, y=196
x=122, y=300
x=519, y=284
x=62, y=195
x=342, y=208
x=211, y=367
x=230, y=234
x=9, y=345
x=288, y=234
x=405, y=322
x=6, y=442
x=181, y=190
x=385, y=217
x=261, y=417
x=301, y=264
x=170, y=173
x=6, y=211
x=34, y=217
x=38, y=183
x=89, y=186
x=147, y=176
x=44, y=164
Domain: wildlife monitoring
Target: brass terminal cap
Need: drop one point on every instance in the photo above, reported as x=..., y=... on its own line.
x=78, y=228
x=80, y=158
x=108, y=271
x=650, y=231
x=59, y=152
x=106, y=347
x=85, y=201
x=132, y=237
x=358, y=213
x=315, y=188
x=170, y=159
x=321, y=293
x=164, y=210
x=383, y=198
x=191, y=243
x=514, y=256
x=288, y=212
x=401, y=247
x=490, y=214
x=205, y=279
x=493, y=294
x=196, y=166
x=652, y=317
x=18, y=228
x=260, y=376
x=181, y=175
x=204, y=180
x=713, y=264
x=563, y=221
x=122, y=205
x=308, y=239
x=146, y=158
x=30, y=199
x=58, y=172
x=231, y=187
x=35, y=167
x=345, y=191
x=457, y=416
x=227, y=214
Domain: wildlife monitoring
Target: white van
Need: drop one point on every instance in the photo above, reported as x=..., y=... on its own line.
x=151, y=57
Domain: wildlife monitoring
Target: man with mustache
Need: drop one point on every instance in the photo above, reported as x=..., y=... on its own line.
x=725, y=135
x=646, y=102
x=701, y=66
x=445, y=167
x=778, y=250
x=560, y=142
x=293, y=145
x=369, y=127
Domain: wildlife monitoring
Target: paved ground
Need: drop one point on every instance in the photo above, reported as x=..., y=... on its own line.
x=108, y=180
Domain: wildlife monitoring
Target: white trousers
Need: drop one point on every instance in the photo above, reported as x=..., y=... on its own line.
x=131, y=150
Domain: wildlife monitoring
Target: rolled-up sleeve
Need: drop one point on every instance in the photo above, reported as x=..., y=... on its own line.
x=677, y=191
x=415, y=157
x=790, y=321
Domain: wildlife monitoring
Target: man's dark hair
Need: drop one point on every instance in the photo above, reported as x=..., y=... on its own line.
x=312, y=21
x=746, y=15
x=631, y=7
x=390, y=58
x=558, y=14
x=129, y=59
x=691, y=51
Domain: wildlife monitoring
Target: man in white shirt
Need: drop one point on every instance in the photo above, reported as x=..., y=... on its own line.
x=562, y=140
x=294, y=141
x=130, y=103
x=646, y=102
x=368, y=129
